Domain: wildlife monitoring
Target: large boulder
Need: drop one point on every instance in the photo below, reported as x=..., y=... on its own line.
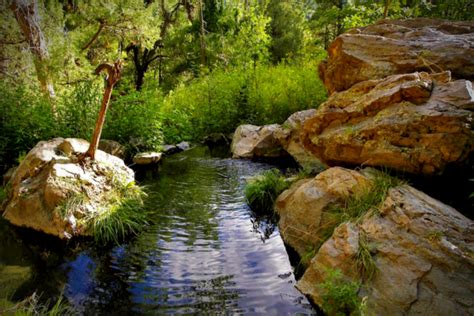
x=303, y=208
x=422, y=251
x=397, y=47
x=288, y=136
x=52, y=192
x=415, y=122
x=251, y=141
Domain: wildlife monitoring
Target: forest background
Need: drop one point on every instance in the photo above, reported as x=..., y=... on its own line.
x=191, y=67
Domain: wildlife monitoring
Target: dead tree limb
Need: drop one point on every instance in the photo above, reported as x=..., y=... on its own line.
x=114, y=72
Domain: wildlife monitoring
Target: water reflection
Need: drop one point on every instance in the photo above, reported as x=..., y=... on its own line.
x=207, y=252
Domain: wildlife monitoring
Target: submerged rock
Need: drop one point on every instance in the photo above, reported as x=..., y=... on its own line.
x=51, y=192
x=113, y=147
x=414, y=122
x=396, y=47
x=148, y=158
x=251, y=141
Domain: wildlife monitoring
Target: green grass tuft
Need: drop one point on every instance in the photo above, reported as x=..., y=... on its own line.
x=364, y=259
x=32, y=306
x=262, y=191
x=125, y=215
x=339, y=296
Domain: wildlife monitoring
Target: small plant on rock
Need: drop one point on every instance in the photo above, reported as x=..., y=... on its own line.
x=339, y=295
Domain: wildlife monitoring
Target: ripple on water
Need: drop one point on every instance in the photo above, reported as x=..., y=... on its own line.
x=205, y=254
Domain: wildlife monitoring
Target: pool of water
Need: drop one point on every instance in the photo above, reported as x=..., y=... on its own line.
x=207, y=252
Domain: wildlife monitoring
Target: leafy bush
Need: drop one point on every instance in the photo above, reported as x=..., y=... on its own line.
x=134, y=120
x=339, y=296
x=262, y=191
x=26, y=118
x=222, y=100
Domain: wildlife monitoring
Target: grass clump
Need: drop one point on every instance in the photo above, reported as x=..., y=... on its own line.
x=262, y=191
x=364, y=258
x=32, y=306
x=125, y=215
x=339, y=296
x=356, y=206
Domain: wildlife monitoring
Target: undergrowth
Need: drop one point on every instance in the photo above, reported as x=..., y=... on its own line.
x=32, y=306
x=262, y=191
x=339, y=296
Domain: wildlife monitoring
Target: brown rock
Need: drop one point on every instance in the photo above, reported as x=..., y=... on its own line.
x=251, y=141
x=289, y=137
x=422, y=250
x=397, y=47
x=415, y=122
x=112, y=147
x=302, y=208
x=49, y=177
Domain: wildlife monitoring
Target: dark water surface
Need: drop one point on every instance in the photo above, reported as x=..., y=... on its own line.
x=206, y=254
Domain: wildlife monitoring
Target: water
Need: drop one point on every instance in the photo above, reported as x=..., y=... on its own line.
x=207, y=253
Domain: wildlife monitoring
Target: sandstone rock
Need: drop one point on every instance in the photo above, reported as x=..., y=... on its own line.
x=397, y=47
x=8, y=175
x=251, y=141
x=422, y=250
x=112, y=147
x=289, y=137
x=415, y=122
x=148, y=158
x=303, y=207
x=49, y=182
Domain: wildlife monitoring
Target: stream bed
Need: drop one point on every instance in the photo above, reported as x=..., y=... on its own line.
x=207, y=253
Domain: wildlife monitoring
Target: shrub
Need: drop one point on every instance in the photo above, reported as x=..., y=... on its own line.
x=339, y=296
x=222, y=100
x=26, y=118
x=262, y=191
x=134, y=120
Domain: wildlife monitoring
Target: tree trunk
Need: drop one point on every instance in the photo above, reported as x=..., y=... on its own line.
x=202, y=34
x=385, y=10
x=26, y=14
x=113, y=75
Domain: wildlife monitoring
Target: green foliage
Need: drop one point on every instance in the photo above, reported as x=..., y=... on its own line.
x=364, y=258
x=221, y=101
x=262, y=191
x=339, y=296
x=134, y=120
x=33, y=306
x=125, y=214
x=357, y=205
x=286, y=28
x=26, y=118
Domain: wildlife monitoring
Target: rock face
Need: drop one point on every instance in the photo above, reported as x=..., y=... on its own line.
x=252, y=141
x=302, y=208
x=112, y=147
x=51, y=192
x=397, y=47
x=148, y=158
x=414, y=122
x=421, y=248
x=288, y=135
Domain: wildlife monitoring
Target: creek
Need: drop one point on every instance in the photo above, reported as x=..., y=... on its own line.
x=207, y=252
